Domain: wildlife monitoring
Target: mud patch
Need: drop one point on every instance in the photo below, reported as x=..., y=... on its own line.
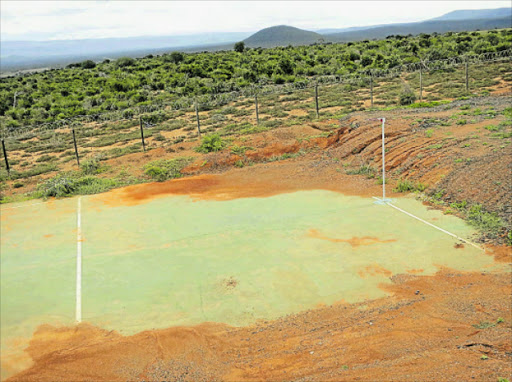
x=354, y=241
x=374, y=270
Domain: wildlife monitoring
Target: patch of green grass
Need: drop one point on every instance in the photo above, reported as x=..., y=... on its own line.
x=408, y=186
x=461, y=122
x=91, y=167
x=492, y=128
x=70, y=184
x=164, y=169
x=34, y=171
x=211, y=143
x=488, y=222
x=435, y=147
x=364, y=169
x=44, y=158
x=427, y=104
x=429, y=133
x=484, y=325
x=240, y=150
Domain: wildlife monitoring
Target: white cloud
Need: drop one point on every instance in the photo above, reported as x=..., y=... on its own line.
x=42, y=20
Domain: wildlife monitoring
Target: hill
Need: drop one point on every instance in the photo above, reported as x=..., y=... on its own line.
x=282, y=35
x=471, y=14
x=431, y=26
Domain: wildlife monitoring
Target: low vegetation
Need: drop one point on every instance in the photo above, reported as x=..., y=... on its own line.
x=211, y=143
x=165, y=169
x=92, y=88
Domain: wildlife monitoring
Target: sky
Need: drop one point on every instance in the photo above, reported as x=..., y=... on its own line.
x=64, y=20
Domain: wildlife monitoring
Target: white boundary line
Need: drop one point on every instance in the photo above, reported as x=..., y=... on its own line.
x=432, y=225
x=79, y=262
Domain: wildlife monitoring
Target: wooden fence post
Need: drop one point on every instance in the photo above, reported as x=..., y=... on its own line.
x=257, y=111
x=371, y=91
x=198, y=123
x=142, y=135
x=76, y=147
x=5, y=157
x=467, y=75
x=421, y=84
x=316, y=100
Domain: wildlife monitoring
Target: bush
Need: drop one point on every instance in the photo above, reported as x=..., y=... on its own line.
x=487, y=222
x=408, y=186
x=90, y=167
x=404, y=186
x=211, y=143
x=88, y=64
x=407, y=97
x=56, y=187
x=165, y=169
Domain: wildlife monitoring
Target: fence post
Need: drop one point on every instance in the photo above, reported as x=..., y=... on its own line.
x=421, y=84
x=76, y=147
x=257, y=111
x=371, y=91
x=197, y=117
x=5, y=157
x=316, y=99
x=467, y=75
x=142, y=135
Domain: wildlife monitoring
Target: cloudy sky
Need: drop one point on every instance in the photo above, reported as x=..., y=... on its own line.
x=55, y=20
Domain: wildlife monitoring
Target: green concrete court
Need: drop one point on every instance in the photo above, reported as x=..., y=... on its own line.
x=175, y=261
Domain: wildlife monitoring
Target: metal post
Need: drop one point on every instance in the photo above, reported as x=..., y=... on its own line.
x=467, y=76
x=316, y=99
x=421, y=84
x=5, y=157
x=142, y=135
x=371, y=90
x=198, y=123
x=383, y=162
x=257, y=112
x=76, y=148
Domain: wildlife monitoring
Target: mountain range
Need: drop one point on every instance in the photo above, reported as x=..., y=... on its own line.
x=17, y=55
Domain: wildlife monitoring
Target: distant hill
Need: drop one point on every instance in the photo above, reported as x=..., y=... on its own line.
x=32, y=54
x=439, y=26
x=471, y=14
x=282, y=35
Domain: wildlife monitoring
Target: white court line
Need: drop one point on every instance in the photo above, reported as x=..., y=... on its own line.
x=432, y=225
x=79, y=262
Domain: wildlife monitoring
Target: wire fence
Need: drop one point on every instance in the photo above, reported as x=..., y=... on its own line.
x=145, y=122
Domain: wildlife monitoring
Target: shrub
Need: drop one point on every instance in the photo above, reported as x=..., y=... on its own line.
x=165, y=169
x=487, y=222
x=57, y=187
x=364, y=169
x=211, y=143
x=45, y=158
x=407, y=97
x=408, y=186
x=88, y=64
x=90, y=167
x=239, y=150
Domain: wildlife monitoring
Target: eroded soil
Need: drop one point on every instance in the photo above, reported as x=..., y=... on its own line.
x=444, y=327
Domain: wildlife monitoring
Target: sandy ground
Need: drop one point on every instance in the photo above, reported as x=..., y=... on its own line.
x=433, y=328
